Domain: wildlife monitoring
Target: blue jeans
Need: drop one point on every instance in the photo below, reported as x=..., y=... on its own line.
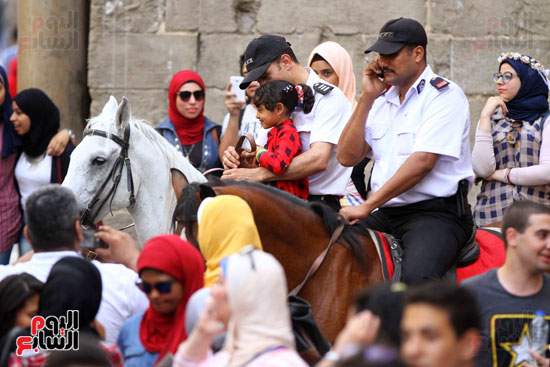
x=5, y=257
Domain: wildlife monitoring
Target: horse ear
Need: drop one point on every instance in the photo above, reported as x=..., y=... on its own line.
x=110, y=107
x=206, y=191
x=179, y=182
x=123, y=113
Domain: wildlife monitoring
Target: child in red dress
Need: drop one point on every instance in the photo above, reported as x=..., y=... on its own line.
x=275, y=102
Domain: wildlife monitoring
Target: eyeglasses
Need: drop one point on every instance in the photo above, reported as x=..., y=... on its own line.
x=161, y=287
x=506, y=77
x=186, y=95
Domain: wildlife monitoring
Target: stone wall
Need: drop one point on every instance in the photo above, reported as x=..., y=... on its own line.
x=135, y=46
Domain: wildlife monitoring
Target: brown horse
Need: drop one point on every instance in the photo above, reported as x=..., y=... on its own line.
x=296, y=232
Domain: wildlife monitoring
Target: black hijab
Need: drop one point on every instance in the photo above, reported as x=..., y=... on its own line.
x=73, y=284
x=44, y=117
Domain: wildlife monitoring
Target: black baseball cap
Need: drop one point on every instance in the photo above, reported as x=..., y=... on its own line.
x=259, y=54
x=397, y=33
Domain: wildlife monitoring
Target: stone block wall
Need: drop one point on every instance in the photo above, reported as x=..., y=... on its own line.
x=135, y=46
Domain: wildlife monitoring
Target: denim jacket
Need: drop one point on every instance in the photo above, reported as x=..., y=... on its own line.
x=130, y=346
x=210, y=157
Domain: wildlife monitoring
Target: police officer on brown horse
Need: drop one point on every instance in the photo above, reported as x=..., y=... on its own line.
x=418, y=133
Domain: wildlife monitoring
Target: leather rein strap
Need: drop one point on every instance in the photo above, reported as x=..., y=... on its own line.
x=89, y=216
x=319, y=260
x=239, y=148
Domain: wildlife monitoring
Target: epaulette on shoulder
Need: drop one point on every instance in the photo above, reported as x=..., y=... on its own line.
x=439, y=83
x=322, y=88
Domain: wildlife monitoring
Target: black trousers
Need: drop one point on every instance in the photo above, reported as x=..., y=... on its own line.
x=358, y=177
x=431, y=232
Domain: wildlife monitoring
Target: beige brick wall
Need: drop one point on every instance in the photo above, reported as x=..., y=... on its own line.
x=135, y=46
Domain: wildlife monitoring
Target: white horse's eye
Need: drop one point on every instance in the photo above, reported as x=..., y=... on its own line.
x=98, y=161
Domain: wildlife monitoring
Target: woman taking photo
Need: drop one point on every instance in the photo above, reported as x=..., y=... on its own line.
x=186, y=128
x=511, y=154
x=249, y=300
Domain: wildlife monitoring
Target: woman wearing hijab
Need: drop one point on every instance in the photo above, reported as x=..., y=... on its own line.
x=35, y=119
x=73, y=284
x=226, y=225
x=333, y=64
x=511, y=154
x=10, y=217
x=249, y=301
x=186, y=127
x=171, y=270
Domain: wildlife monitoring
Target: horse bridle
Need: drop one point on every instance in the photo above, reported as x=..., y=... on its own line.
x=89, y=216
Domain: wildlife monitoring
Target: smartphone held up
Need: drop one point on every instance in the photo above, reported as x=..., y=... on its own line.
x=239, y=93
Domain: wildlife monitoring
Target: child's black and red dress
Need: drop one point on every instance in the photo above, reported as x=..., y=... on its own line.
x=283, y=144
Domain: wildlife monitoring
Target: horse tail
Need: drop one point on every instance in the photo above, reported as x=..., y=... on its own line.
x=332, y=221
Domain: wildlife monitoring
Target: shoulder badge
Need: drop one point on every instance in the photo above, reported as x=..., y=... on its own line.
x=322, y=88
x=439, y=83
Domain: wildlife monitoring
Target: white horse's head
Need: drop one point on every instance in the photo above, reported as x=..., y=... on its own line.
x=151, y=159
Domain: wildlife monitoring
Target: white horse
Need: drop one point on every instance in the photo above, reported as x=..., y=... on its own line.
x=156, y=168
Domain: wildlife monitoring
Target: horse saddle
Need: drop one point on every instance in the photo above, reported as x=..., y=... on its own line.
x=390, y=251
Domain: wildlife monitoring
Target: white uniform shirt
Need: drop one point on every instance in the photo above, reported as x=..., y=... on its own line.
x=428, y=120
x=120, y=298
x=325, y=123
x=249, y=125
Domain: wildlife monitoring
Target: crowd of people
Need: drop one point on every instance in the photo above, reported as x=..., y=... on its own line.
x=224, y=301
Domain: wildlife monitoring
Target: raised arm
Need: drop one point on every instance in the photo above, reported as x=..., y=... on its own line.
x=483, y=156
x=231, y=133
x=352, y=147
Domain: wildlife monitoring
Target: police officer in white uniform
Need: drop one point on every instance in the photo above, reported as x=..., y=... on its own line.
x=418, y=133
x=268, y=58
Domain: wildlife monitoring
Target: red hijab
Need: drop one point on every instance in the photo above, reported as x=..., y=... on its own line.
x=170, y=254
x=189, y=131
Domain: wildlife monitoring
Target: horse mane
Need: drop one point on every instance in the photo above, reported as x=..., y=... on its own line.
x=170, y=155
x=188, y=205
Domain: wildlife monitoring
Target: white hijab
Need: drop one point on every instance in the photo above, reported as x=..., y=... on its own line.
x=260, y=318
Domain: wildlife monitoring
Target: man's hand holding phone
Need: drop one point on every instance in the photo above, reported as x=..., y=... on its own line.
x=372, y=79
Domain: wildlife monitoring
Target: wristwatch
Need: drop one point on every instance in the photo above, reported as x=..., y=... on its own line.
x=72, y=136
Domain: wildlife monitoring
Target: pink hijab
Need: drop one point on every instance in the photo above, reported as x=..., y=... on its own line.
x=340, y=60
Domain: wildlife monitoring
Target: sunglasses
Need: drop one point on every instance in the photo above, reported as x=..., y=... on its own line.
x=506, y=77
x=161, y=287
x=186, y=95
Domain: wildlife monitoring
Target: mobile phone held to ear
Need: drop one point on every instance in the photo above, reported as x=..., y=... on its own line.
x=239, y=93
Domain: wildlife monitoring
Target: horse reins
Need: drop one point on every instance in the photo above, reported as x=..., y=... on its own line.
x=319, y=260
x=239, y=149
x=89, y=216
